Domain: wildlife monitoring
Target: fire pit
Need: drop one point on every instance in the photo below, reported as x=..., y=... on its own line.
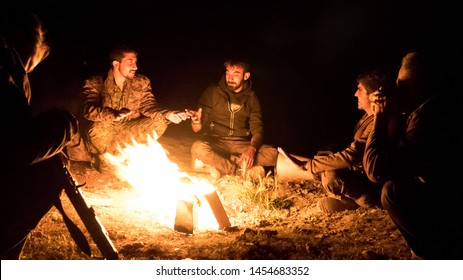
x=179, y=200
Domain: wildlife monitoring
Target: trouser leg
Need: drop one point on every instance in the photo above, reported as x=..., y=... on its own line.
x=139, y=129
x=105, y=136
x=218, y=152
x=346, y=183
x=209, y=154
x=266, y=156
x=429, y=221
x=28, y=196
x=405, y=210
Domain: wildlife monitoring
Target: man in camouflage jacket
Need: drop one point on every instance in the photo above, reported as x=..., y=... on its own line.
x=122, y=106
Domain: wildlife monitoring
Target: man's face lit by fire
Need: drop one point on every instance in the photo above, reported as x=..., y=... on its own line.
x=128, y=66
x=363, y=99
x=235, y=77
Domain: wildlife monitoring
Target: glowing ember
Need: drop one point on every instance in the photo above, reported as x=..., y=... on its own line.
x=160, y=184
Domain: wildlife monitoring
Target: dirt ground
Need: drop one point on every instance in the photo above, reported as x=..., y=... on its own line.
x=282, y=225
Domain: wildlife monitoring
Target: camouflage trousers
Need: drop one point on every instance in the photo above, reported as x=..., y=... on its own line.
x=104, y=137
x=220, y=153
x=348, y=183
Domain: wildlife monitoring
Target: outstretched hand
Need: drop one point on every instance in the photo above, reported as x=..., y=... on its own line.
x=195, y=116
x=177, y=116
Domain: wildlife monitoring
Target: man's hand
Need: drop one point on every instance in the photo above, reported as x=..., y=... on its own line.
x=195, y=116
x=124, y=114
x=177, y=116
x=246, y=159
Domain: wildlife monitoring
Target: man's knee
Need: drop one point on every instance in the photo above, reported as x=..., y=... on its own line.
x=198, y=147
x=99, y=137
x=387, y=195
x=160, y=127
x=143, y=126
x=267, y=156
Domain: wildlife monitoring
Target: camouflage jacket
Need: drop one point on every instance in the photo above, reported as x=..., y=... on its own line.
x=103, y=100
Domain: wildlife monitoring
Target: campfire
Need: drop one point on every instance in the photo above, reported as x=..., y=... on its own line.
x=183, y=202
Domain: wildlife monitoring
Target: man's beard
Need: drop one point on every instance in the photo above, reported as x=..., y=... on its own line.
x=233, y=86
x=130, y=75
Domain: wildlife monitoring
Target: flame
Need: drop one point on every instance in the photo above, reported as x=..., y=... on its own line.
x=160, y=184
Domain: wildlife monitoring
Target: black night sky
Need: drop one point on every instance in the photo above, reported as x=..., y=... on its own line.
x=305, y=55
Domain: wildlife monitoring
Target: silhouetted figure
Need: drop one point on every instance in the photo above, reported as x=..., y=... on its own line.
x=31, y=169
x=419, y=159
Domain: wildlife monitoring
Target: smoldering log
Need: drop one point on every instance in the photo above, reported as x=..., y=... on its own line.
x=184, y=222
x=218, y=210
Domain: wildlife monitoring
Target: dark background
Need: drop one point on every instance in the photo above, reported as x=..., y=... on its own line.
x=305, y=55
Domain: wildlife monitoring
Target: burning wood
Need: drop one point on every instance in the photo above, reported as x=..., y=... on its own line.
x=218, y=210
x=185, y=218
x=142, y=165
x=184, y=221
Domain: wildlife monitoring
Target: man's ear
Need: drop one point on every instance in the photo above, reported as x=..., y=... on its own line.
x=247, y=75
x=115, y=64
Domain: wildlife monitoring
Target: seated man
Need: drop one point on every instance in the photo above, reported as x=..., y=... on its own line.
x=230, y=118
x=31, y=169
x=121, y=106
x=341, y=173
x=418, y=161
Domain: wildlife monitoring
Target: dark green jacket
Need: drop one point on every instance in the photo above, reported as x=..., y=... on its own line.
x=218, y=118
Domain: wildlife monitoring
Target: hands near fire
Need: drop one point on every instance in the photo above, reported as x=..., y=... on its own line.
x=246, y=159
x=177, y=116
x=125, y=114
x=195, y=117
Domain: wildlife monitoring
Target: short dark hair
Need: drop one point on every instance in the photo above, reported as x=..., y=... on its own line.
x=117, y=53
x=238, y=62
x=372, y=80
